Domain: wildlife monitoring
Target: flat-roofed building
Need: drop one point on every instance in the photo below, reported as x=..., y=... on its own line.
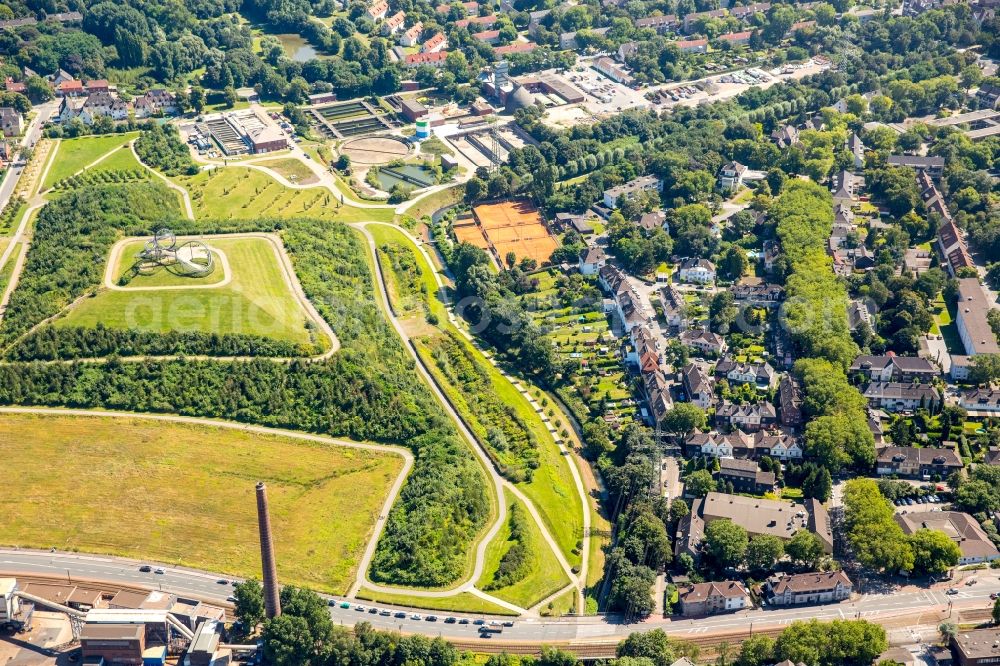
x=978, y=647
x=121, y=644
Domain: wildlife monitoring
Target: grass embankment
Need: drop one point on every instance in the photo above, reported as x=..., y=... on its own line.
x=292, y=169
x=411, y=283
x=464, y=602
x=542, y=574
x=552, y=488
x=120, y=160
x=258, y=301
x=125, y=487
x=243, y=193
x=75, y=154
x=431, y=203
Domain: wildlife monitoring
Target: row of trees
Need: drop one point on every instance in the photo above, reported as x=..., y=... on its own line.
x=878, y=541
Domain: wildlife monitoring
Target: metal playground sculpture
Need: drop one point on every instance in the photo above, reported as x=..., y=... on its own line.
x=190, y=259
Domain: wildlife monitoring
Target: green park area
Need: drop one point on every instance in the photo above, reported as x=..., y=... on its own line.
x=258, y=300
x=520, y=567
x=75, y=154
x=243, y=193
x=130, y=268
x=140, y=475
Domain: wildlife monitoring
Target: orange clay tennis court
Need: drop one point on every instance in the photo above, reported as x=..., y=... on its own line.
x=515, y=226
x=467, y=231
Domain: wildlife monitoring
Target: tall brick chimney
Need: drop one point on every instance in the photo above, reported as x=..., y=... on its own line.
x=272, y=604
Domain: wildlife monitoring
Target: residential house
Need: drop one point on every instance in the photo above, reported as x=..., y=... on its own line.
x=11, y=121
x=613, y=196
x=435, y=60
x=772, y=250
x=703, y=341
x=711, y=598
x=758, y=292
x=747, y=11
x=933, y=165
x=761, y=375
x=973, y=542
x=661, y=24
x=378, y=10
x=698, y=386
x=411, y=37
x=592, y=260
x=70, y=88
x=692, y=45
x=97, y=86
x=917, y=463
x=692, y=20
x=902, y=397
x=393, y=24
x=745, y=476
x=645, y=351
x=475, y=23
x=10, y=85
x=892, y=368
x=567, y=40
x=807, y=588
x=731, y=176
x=736, y=38
x=435, y=44
x=988, y=96
x=845, y=187
x=516, y=47
x=674, y=306
x=155, y=102
x=747, y=417
x=103, y=105
x=790, y=401
x=857, y=149
x=655, y=220
x=980, y=402
x=857, y=314
x=630, y=310
x=785, y=136
x=961, y=367
x=973, y=327
x=491, y=37
x=613, y=71
x=535, y=20
x=696, y=269
x=657, y=395
x=626, y=50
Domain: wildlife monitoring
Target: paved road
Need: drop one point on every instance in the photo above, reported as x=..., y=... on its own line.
x=599, y=629
x=30, y=138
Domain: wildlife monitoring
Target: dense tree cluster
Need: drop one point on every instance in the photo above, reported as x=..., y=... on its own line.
x=161, y=147
x=516, y=562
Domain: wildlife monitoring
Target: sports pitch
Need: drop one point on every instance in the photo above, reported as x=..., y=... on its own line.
x=258, y=299
x=184, y=494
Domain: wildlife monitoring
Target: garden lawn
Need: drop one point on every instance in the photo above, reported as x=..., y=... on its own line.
x=184, y=494
x=545, y=577
x=242, y=193
x=258, y=301
x=75, y=154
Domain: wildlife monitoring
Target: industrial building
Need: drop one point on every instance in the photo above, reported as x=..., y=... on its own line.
x=243, y=132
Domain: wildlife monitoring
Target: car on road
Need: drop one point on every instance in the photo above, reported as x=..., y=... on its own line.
x=400, y=614
x=479, y=622
x=952, y=590
x=450, y=620
x=344, y=604
x=971, y=581
x=160, y=571
x=385, y=613
x=994, y=595
x=464, y=620
x=222, y=581
x=332, y=603
x=431, y=618
x=416, y=616
x=373, y=610
x=508, y=623
x=359, y=608
x=145, y=568
x=231, y=599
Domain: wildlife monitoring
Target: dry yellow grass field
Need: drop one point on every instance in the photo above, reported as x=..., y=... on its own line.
x=184, y=494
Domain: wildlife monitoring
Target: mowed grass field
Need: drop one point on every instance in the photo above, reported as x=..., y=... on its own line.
x=243, y=193
x=257, y=301
x=184, y=494
x=120, y=160
x=463, y=602
x=75, y=154
x=546, y=575
x=291, y=168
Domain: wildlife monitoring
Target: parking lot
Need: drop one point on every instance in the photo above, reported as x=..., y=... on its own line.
x=603, y=94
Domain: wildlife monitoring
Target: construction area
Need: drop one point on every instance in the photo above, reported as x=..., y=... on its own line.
x=487, y=146
x=347, y=119
x=508, y=226
x=375, y=150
